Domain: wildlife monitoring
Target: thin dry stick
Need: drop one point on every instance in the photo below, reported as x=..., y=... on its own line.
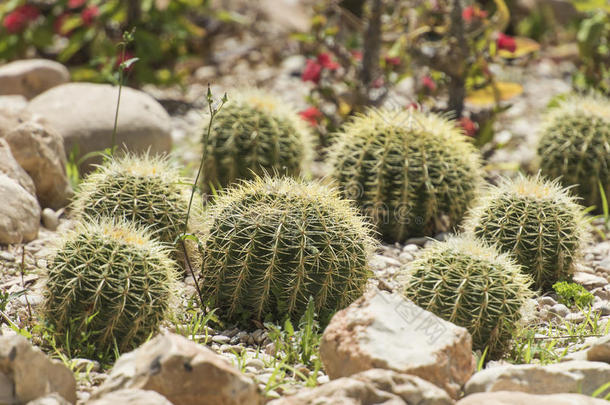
x=22, y=269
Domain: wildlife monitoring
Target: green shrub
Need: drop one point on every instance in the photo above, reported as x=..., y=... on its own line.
x=571, y=294
x=272, y=243
x=536, y=221
x=469, y=283
x=109, y=287
x=253, y=134
x=412, y=173
x=574, y=146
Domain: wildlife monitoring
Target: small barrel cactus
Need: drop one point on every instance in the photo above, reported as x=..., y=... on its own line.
x=109, y=286
x=537, y=222
x=412, y=173
x=146, y=190
x=467, y=282
x=273, y=243
x=574, y=146
x=255, y=133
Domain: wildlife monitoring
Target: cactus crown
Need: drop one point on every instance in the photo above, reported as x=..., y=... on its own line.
x=253, y=134
x=272, y=243
x=412, y=173
x=108, y=281
x=147, y=190
x=536, y=221
x=575, y=146
x=467, y=282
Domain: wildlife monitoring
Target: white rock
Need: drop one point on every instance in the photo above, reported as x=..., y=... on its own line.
x=559, y=310
x=83, y=114
x=520, y=398
x=131, y=397
x=19, y=213
x=381, y=330
x=589, y=281
x=31, y=77
x=50, y=220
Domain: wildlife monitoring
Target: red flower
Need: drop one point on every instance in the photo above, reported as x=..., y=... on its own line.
x=122, y=58
x=312, y=115
x=89, y=14
x=506, y=42
x=413, y=106
x=326, y=61
x=378, y=83
x=312, y=71
x=357, y=55
x=16, y=20
x=393, y=61
x=469, y=127
x=76, y=3
x=472, y=12
x=428, y=83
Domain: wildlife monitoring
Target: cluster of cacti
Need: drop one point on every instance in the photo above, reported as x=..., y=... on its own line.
x=273, y=243
x=574, y=146
x=146, y=190
x=470, y=284
x=412, y=173
x=109, y=285
x=537, y=222
x=253, y=134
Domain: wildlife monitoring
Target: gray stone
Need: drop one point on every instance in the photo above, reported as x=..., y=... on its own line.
x=559, y=310
x=382, y=330
x=83, y=114
x=589, y=281
x=10, y=167
x=51, y=399
x=31, y=77
x=520, y=398
x=131, y=397
x=19, y=213
x=50, y=219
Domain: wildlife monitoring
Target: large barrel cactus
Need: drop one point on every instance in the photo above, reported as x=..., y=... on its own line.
x=144, y=189
x=469, y=283
x=109, y=286
x=412, y=173
x=574, y=146
x=273, y=243
x=255, y=133
x=537, y=222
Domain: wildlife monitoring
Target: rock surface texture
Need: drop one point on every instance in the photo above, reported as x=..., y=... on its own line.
x=83, y=113
x=131, y=397
x=520, y=398
x=10, y=167
x=19, y=213
x=26, y=373
x=182, y=371
x=31, y=77
x=381, y=330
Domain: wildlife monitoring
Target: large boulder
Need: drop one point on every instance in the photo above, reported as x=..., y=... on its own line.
x=10, y=167
x=83, y=114
x=382, y=330
x=182, y=371
x=40, y=151
x=583, y=377
x=131, y=397
x=520, y=398
x=375, y=386
x=19, y=213
x=31, y=77
x=26, y=373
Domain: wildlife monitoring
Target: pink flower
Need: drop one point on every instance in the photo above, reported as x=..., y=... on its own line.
x=413, y=106
x=28, y=11
x=312, y=115
x=89, y=14
x=392, y=61
x=357, y=55
x=312, y=71
x=378, y=83
x=16, y=20
x=506, y=42
x=122, y=58
x=326, y=61
x=428, y=83
x=472, y=12
x=76, y=3
x=469, y=127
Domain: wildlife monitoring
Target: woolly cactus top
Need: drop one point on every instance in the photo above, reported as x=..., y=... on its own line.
x=592, y=105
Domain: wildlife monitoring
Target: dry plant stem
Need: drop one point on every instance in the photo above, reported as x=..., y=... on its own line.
x=457, y=85
x=22, y=269
x=370, y=59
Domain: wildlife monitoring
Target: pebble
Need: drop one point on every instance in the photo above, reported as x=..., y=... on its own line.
x=575, y=317
x=50, y=220
x=221, y=339
x=546, y=300
x=7, y=256
x=559, y=310
x=257, y=364
x=589, y=281
x=410, y=248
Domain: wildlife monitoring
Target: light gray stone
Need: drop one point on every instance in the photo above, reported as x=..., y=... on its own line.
x=31, y=77
x=520, y=398
x=589, y=281
x=10, y=167
x=83, y=114
x=50, y=219
x=382, y=330
x=19, y=213
x=131, y=397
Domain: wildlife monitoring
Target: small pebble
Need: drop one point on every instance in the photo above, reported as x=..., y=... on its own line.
x=221, y=339
x=559, y=310
x=546, y=300
x=257, y=364
x=6, y=256
x=50, y=220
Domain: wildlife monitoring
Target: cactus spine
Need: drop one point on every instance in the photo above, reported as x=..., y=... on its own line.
x=272, y=243
x=469, y=283
x=537, y=222
x=412, y=173
x=575, y=146
x=114, y=273
x=253, y=134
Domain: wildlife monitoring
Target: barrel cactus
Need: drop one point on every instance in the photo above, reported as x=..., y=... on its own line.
x=575, y=146
x=109, y=286
x=144, y=189
x=535, y=220
x=253, y=134
x=273, y=243
x=412, y=173
x=471, y=284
